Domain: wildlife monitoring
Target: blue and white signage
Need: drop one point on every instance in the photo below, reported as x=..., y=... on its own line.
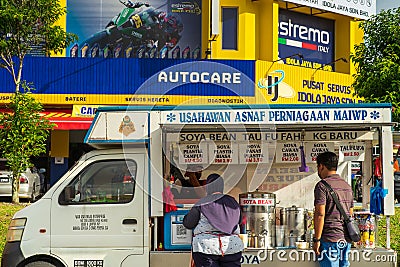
x=311, y=36
x=278, y=116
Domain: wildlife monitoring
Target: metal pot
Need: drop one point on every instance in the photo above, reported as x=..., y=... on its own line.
x=295, y=220
x=258, y=210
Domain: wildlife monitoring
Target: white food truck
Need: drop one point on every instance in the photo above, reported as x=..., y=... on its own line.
x=110, y=208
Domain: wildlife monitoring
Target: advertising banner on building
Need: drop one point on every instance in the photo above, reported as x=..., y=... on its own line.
x=126, y=29
x=361, y=9
x=90, y=82
x=134, y=81
x=310, y=36
x=284, y=84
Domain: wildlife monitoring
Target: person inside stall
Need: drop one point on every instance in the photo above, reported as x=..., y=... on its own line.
x=194, y=186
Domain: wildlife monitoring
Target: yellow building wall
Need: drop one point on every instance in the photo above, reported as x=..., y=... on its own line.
x=258, y=32
x=356, y=37
x=205, y=26
x=63, y=24
x=59, y=144
x=246, y=32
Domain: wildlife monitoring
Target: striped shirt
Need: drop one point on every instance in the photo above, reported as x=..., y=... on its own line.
x=334, y=228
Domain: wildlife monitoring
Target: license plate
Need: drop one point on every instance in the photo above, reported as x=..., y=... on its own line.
x=4, y=180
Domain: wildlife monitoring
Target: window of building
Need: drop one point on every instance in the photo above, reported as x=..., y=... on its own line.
x=230, y=28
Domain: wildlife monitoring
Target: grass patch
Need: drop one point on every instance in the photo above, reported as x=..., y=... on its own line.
x=394, y=231
x=7, y=211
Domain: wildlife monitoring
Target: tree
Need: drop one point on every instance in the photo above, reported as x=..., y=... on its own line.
x=26, y=24
x=23, y=134
x=377, y=60
x=29, y=23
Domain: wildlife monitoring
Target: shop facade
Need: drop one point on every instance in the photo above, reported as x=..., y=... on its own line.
x=286, y=53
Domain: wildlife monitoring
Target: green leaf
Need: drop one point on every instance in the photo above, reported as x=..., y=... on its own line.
x=23, y=133
x=377, y=60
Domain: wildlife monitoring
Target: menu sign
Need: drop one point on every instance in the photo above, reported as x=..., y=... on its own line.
x=253, y=153
x=312, y=149
x=352, y=152
x=193, y=153
x=223, y=153
x=288, y=152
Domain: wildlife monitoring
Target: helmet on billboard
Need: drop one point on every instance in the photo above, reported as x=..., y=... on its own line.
x=170, y=23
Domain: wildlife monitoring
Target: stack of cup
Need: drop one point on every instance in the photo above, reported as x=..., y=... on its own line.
x=245, y=239
x=280, y=235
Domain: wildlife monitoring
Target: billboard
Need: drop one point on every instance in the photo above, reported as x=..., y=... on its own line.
x=361, y=9
x=119, y=29
x=125, y=81
x=311, y=36
x=284, y=84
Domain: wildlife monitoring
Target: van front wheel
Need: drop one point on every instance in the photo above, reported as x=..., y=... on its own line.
x=40, y=264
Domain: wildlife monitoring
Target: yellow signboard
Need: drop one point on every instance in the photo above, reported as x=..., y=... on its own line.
x=284, y=84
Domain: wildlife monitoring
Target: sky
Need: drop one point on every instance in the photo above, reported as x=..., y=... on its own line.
x=386, y=4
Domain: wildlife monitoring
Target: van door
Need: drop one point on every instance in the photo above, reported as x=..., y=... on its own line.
x=97, y=218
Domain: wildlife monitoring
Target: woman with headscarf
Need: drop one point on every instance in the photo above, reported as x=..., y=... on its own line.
x=215, y=220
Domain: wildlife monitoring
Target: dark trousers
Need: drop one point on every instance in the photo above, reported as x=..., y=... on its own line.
x=207, y=260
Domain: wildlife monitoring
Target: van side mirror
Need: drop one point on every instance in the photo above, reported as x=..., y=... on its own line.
x=69, y=193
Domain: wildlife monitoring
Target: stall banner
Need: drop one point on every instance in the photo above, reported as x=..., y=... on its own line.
x=354, y=151
x=284, y=84
x=281, y=115
x=254, y=153
x=269, y=136
x=223, y=153
x=311, y=36
x=361, y=9
x=193, y=153
x=119, y=29
x=288, y=152
x=312, y=149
